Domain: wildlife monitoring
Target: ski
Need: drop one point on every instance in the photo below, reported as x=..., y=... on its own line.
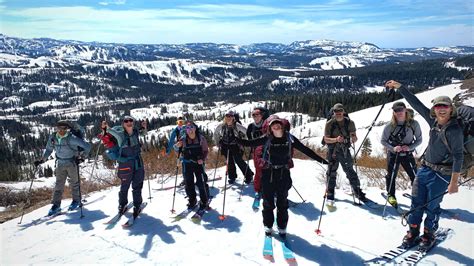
x=414, y=257
x=132, y=219
x=256, y=203
x=197, y=217
x=111, y=223
x=287, y=251
x=268, y=248
x=389, y=256
x=183, y=214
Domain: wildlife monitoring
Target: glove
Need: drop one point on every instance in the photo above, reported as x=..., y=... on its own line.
x=38, y=162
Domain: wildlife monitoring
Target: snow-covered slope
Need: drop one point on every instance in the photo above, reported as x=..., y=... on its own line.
x=349, y=236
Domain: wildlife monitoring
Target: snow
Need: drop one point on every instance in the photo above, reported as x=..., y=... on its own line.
x=349, y=235
x=52, y=103
x=337, y=62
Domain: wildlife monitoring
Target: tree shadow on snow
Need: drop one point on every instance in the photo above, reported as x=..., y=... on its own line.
x=211, y=221
x=458, y=214
x=85, y=222
x=453, y=255
x=150, y=227
x=323, y=255
x=306, y=209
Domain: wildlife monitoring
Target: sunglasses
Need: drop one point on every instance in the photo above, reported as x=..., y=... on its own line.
x=229, y=116
x=441, y=106
x=128, y=120
x=338, y=110
x=190, y=127
x=62, y=128
x=399, y=110
x=256, y=114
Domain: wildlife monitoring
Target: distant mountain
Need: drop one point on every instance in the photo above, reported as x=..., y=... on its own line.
x=313, y=54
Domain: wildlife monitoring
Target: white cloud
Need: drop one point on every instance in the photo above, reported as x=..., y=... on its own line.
x=113, y=2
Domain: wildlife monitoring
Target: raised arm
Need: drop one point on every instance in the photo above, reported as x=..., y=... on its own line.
x=307, y=151
x=411, y=99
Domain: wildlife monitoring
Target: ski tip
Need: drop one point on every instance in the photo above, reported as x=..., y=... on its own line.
x=269, y=257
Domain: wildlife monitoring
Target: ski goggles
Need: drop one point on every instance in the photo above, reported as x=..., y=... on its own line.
x=128, y=120
x=399, y=110
x=338, y=110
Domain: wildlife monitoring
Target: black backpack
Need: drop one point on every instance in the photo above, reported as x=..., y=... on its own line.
x=465, y=119
x=335, y=124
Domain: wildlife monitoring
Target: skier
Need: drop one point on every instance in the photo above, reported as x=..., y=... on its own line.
x=194, y=150
x=276, y=162
x=254, y=130
x=440, y=167
x=174, y=137
x=225, y=135
x=66, y=147
x=400, y=137
x=130, y=163
x=339, y=133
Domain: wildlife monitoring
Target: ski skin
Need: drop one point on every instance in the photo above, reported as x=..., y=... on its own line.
x=132, y=219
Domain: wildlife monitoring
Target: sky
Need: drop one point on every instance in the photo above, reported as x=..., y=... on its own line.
x=385, y=23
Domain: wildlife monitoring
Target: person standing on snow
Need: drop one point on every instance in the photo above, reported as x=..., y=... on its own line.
x=194, y=151
x=276, y=162
x=225, y=136
x=254, y=131
x=339, y=134
x=440, y=167
x=68, y=157
x=130, y=162
x=174, y=138
x=400, y=137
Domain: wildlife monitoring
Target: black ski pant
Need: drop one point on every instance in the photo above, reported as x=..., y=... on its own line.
x=275, y=184
x=191, y=170
x=235, y=157
x=131, y=173
x=344, y=158
x=407, y=161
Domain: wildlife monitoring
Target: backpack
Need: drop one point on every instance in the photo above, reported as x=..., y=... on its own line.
x=264, y=160
x=397, y=138
x=465, y=120
x=335, y=124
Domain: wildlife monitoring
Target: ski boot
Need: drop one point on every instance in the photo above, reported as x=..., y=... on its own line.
x=191, y=203
x=393, y=201
x=282, y=233
x=427, y=240
x=412, y=236
x=74, y=205
x=268, y=231
x=55, y=209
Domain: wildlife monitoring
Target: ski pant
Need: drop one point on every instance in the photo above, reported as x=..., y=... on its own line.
x=275, y=183
x=131, y=173
x=235, y=157
x=336, y=157
x=408, y=163
x=258, y=173
x=63, y=171
x=428, y=184
x=190, y=171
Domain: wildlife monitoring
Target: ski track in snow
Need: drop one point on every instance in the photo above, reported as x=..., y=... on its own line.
x=349, y=236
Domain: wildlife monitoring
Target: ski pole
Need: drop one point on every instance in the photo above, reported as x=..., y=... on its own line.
x=149, y=188
x=245, y=176
x=175, y=181
x=204, y=184
x=298, y=193
x=318, y=230
x=392, y=177
x=79, y=184
x=424, y=205
x=373, y=122
x=29, y=194
x=222, y=216
x=86, y=188
x=217, y=163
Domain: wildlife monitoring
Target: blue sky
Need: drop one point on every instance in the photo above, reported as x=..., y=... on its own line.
x=386, y=23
